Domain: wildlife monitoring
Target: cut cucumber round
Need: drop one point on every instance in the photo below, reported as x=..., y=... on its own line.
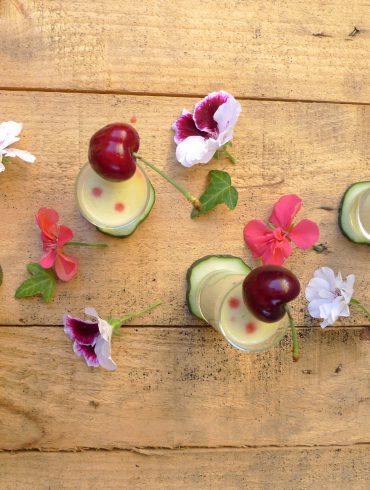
x=129, y=229
x=201, y=267
x=348, y=221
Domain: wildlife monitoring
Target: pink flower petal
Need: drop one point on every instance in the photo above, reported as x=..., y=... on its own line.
x=65, y=235
x=276, y=252
x=284, y=211
x=47, y=220
x=48, y=259
x=257, y=236
x=185, y=127
x=65, y=266
x=84, y=332
x=87, y=352
x=205, y=110
x=305, y=234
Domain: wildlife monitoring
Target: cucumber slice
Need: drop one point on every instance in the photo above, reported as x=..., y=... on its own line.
x=347, y=212
x=129, y=229
x=201, y=267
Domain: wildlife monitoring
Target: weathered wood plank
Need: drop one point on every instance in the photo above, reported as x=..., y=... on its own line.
x=182, y=387
x=314, y=150
x=268, y=49
x=333, y=468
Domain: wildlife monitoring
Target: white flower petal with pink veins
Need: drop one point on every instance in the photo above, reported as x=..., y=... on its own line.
x=22, y=154
x=196, y=149
x=226, y=117
x=329, y=295
x=9, y=131
x=102, y=347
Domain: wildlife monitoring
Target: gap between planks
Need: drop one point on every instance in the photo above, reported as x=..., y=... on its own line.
x=157, y=450
x=174, y=95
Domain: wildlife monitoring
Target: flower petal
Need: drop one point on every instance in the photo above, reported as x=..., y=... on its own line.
x=9, y=131
x=305, y=234
x=87, y=352
x=103, y=353
x=328, y=275
x=285, y=210
x=83, y=331
x=185, y=127
x=257, y=236
x=47, y=220
x=65, y=266
x=226, y=117
x=276, y=252
x=2, y=167
x=22, y=154
x=65, y=235
x=48, y=259
x=205, y=110
x=196, y=149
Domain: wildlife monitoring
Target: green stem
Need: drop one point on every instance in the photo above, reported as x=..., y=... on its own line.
x=295, y=349
x=194, y=201
x=361, y=306
x=230, y=157
x=117, y=322
x=86, y=244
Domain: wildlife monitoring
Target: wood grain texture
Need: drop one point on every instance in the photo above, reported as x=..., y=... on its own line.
x=183, y=387
x=333, y=468
x=314, y=150
x=273, y=49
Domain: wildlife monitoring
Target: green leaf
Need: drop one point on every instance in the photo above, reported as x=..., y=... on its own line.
x=1, y=275
x=42, y=282
x=219, y=191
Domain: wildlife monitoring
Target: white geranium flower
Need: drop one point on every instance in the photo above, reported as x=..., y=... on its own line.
x=329, y=295
x=9, y=132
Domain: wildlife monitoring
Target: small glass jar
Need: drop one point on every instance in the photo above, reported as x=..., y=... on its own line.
x=115, y=208
x=354, y=212
x=220, y=301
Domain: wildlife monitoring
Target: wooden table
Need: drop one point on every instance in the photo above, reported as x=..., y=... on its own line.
x=184, y=409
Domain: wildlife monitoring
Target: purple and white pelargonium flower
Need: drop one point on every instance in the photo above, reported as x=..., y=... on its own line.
x=9, y=132
x=92, y=340
x=210, y=128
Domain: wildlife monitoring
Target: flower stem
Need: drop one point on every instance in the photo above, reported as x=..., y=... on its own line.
x=85, y=244
x=295, y=349
x=230, y=157
x=194, y=201
x=117, y=322
x=361, y=306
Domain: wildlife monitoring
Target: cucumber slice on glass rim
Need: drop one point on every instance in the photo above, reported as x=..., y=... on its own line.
x=204, y=266
x=129, y=228
x=354, y=213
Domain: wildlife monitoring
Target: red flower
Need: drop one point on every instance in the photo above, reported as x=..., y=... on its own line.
x=273, y=244
x=54, y=237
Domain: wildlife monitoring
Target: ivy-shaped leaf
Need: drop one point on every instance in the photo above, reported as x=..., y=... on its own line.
x=42, y=282
x=219, y=190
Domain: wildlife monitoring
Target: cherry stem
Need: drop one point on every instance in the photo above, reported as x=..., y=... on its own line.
x=194, y=201
x=85, y=244
x=295, y=349
x=117, y=322
x=361, y=306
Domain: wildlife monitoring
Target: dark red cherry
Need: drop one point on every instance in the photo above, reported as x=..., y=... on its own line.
x=267, y=289
x=111, y=151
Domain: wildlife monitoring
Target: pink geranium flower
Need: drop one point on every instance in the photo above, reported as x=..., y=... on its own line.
x=199, y=135
x=54, y=237
x=273, y=244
